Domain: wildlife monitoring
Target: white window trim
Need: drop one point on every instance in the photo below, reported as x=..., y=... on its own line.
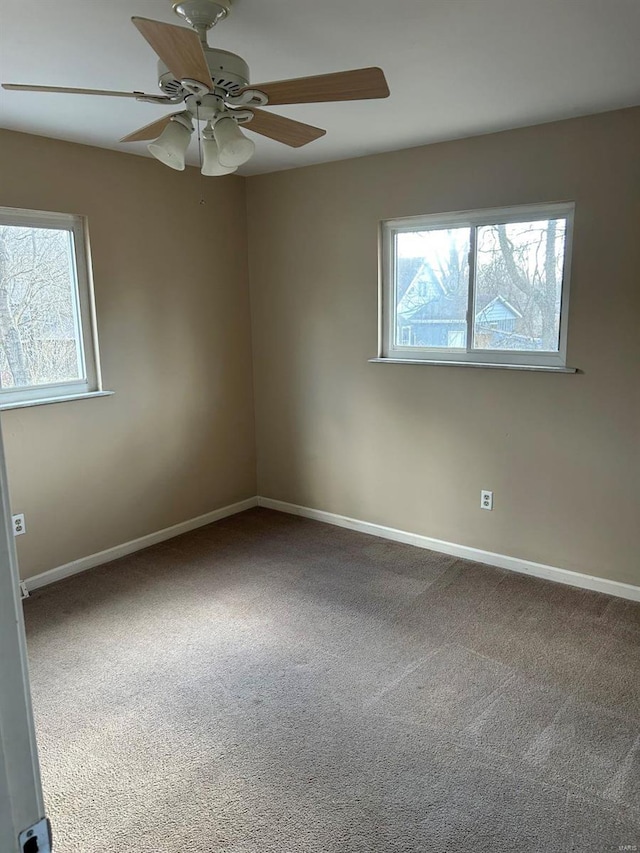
x=389, y=351
x=75, y=389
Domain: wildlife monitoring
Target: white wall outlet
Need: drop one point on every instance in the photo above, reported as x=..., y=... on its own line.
x=19, y=526
x=486, y=499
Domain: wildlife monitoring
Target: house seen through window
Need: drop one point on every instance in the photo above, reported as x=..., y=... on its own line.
x=482, y=286
x=47, y=347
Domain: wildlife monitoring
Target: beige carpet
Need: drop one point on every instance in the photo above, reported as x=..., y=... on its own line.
x=273, y=684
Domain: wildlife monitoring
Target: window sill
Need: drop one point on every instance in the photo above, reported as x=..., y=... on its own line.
x=46, y=401
x=543, y=368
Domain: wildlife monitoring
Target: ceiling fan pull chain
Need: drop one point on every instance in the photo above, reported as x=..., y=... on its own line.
x=202, y=181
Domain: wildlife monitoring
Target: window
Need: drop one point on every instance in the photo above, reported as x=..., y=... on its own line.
x=47, y=339
x=483, y=287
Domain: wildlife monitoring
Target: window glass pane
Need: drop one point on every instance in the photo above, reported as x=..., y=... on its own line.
x=518, y=289
x=40, y=341
x=432, y=287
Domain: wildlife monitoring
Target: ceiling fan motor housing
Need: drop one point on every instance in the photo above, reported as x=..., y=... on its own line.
x=229, y=72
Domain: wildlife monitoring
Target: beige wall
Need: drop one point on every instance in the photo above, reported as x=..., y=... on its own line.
x=177, y=438
x=404, y=446
x=411, y=446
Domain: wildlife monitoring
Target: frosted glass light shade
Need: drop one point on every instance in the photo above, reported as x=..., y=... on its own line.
x=234, y=148
x=171, y=146
x=211, y=165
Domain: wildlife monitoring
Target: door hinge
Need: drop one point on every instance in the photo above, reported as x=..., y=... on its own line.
x=36, y=839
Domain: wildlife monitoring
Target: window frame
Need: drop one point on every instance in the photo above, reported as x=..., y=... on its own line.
x=86, y=327
x=389, y=351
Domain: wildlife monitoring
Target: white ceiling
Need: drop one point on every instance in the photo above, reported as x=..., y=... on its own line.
x=455, y=67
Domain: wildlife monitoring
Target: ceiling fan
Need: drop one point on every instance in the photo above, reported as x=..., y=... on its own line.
x=213, y=86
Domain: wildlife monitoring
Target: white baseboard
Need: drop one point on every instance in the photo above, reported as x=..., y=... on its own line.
x=502, y=561
x=513, y=564
x=110, y=554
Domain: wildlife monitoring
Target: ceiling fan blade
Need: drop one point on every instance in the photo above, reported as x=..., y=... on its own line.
x=179, y=48
x=149, y=131
x=293, y=133
x=65, y=91
x=341, y=86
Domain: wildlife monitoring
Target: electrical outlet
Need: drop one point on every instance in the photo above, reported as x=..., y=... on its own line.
x=486, y=499
x=19, y=526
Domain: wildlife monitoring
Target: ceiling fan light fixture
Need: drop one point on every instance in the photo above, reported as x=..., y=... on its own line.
x=234, y=148
x=214, y=87
x=211, y=165
x=171, y=146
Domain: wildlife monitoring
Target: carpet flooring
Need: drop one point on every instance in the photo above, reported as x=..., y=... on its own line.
x=269, y=683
